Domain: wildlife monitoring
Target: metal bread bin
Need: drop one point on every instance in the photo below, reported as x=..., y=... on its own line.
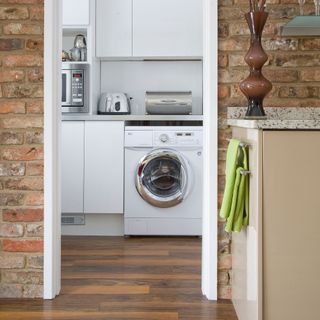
x=179, y=102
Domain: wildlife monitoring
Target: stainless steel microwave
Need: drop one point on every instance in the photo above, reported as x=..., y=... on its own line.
x=75, y=87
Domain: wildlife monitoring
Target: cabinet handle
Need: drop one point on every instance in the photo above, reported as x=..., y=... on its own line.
x=242, y=144
x=245, y=172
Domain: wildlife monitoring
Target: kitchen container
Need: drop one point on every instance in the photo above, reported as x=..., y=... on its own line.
x=175, y=102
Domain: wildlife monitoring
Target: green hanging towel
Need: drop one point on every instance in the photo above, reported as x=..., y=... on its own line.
x=235, y=204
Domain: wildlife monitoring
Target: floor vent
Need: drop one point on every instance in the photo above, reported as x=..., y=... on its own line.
x=73, y=220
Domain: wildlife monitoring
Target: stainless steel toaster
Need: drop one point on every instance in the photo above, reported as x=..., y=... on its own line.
x=168, y=102
x=114, y=103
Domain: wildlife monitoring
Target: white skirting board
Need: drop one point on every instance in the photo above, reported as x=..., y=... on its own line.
x=97, y=225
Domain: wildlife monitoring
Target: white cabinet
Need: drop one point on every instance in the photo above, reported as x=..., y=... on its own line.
x=72, y=166
x=104, y=161
x=149, y=28
x=114, y=28
x=75, y=12
x=167, y=28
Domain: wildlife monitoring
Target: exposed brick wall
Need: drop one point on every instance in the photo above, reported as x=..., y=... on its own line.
x=21, y=148
x=293, y=68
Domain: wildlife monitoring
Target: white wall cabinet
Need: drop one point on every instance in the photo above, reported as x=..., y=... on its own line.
x=149, y=28
x=72, y=166
x=114, y=28
x=104, y=161
x=75, y=12
x=167, y=28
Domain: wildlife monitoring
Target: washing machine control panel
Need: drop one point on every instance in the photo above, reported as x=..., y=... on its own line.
x=177, y=138
x=164, y=138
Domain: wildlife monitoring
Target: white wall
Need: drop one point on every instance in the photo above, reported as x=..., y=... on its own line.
x=137, y=77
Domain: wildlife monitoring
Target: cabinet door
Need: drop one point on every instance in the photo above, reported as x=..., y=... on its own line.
x=72, y=166
x=291, y=219
x=167, y=28
x=75, y=12
x=114, y=28
x=104, y=158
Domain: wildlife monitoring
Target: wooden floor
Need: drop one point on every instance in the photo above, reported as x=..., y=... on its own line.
x=126, y=278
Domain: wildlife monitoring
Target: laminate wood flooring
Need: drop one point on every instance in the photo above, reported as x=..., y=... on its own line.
x=137, y=278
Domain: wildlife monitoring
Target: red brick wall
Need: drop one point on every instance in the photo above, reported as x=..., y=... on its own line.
x=21, y=148
x=293, y=68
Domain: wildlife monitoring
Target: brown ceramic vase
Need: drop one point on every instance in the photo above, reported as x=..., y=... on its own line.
x=255, y=87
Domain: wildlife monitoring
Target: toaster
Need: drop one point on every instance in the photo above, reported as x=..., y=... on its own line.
x=114, y=103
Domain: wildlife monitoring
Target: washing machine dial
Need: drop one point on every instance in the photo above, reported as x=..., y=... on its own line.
x=164, y=138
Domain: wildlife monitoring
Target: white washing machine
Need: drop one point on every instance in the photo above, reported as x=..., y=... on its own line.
x=163, y=181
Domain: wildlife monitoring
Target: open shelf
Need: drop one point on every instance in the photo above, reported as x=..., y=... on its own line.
x=72, y=31
x=68, y=35
x=302, y=26
x=74, y=62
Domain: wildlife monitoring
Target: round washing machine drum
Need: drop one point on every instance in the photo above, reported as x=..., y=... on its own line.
x=162, y=178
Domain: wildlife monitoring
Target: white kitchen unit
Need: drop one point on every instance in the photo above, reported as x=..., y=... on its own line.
x=167, y=28
x=75, y=12
x=149, y=29
x=114, y=28
x=104, y=159
x=72, y=166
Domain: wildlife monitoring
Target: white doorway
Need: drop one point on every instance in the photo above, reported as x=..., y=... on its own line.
x=52, y=218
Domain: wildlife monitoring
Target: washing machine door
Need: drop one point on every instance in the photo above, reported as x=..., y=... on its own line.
x=162, y=178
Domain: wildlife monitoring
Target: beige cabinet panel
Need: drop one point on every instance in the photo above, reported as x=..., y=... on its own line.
x=247, y=244
x=291, y=219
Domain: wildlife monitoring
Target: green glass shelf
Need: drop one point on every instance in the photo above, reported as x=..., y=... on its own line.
x=302, y=26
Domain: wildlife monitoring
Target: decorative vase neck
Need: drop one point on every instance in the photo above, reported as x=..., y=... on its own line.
x=256, y=22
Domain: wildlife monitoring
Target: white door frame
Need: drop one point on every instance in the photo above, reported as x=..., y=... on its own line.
x=210, y=150
x=52, y=117
x=52, y=120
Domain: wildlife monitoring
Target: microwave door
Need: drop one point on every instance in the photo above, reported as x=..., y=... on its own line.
x=66, y=88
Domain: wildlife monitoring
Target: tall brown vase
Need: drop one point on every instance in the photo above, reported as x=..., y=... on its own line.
x=255, y=87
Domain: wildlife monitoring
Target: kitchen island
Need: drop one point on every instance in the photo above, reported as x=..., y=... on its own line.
x=274, y=258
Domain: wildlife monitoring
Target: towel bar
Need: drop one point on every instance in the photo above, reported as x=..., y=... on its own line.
x=242, y=144
x=245, y=172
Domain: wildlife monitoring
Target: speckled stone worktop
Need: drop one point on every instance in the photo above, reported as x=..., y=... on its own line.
x=278, y=118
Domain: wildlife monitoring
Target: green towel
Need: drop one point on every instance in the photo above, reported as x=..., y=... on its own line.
x=235, y=204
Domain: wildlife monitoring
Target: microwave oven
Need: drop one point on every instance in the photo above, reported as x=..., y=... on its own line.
x=75, y=87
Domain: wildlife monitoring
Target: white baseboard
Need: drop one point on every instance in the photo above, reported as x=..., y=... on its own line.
x=97, y=225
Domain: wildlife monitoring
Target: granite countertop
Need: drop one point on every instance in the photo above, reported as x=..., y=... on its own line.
x=277, y=118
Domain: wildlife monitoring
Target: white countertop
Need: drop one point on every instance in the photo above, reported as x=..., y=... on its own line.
x=130, y=117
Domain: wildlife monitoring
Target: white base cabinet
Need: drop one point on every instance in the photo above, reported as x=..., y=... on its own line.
x=92, y=167
x=104, y=161
x=72, y=166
